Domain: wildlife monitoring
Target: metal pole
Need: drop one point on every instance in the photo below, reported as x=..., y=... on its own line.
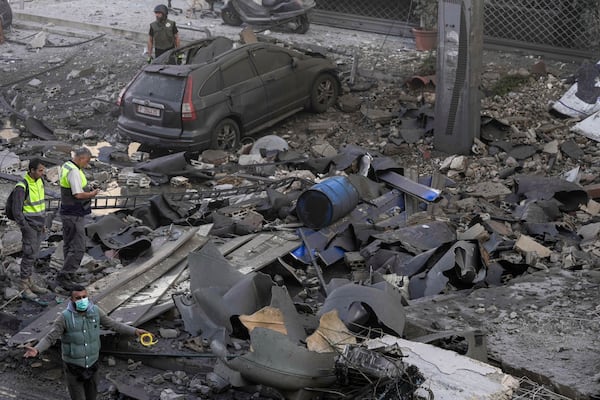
x=459, y=56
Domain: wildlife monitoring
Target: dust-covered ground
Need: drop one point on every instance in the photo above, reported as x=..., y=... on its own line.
x=72, y=84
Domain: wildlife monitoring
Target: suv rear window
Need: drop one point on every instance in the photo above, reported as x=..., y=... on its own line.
x=164, y=87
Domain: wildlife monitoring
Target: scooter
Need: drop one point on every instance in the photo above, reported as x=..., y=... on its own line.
x=270, y=13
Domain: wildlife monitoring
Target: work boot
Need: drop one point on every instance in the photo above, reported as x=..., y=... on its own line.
x=66, y=281
x=26, y=292
x=35, y=288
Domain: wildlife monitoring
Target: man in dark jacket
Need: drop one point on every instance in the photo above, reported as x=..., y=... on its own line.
x=29, y=210
x=78, y=328
x=163, y=34
x=75, y=199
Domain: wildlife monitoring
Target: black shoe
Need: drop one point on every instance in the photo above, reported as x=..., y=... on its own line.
x=63, y=284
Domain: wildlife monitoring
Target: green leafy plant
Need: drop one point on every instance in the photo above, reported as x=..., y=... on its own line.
x=427, y=12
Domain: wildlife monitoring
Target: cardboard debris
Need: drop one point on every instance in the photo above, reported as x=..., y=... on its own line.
x=331, y=335
x=527, y=244
x=267, y=317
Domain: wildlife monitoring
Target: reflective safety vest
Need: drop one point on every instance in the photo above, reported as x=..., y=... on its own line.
x=69, y=205
x=35, y=204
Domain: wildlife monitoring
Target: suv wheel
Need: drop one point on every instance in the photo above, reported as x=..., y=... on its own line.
x=230, y=16
x=324, y=92
x=226, y=135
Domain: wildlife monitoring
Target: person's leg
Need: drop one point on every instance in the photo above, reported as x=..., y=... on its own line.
x=29, y=238
x=29, y=253
x=74, y=385
x=91, y=387
x=73, y=244
x=35, y=288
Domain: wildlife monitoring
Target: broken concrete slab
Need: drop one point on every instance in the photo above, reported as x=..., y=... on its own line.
x=451, y=376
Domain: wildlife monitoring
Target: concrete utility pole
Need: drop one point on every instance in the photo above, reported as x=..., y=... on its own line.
x=458, y=103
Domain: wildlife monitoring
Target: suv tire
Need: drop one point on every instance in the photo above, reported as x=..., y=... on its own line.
x=324, y=92
x=230, y=16
x=226, y=135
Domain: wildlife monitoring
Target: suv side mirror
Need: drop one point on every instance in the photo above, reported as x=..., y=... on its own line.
x=294, y=63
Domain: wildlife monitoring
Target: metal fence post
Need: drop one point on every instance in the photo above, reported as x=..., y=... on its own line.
x=457, y=105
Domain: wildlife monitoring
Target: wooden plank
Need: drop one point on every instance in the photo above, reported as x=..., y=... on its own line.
x=101, y=288
x=262, y=250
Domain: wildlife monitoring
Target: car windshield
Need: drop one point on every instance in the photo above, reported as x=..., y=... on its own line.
x=156, y=85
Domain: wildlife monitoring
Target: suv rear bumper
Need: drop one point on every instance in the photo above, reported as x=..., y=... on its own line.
x=194, y=143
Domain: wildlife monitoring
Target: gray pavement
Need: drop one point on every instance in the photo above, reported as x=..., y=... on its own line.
x=132, y=18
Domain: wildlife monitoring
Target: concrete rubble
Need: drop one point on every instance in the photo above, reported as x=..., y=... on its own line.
x=339, y=255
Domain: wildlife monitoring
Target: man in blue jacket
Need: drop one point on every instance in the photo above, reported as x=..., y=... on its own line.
x=78, y=328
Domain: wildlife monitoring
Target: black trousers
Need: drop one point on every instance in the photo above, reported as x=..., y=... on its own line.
x=82, y=383
x=158, y=52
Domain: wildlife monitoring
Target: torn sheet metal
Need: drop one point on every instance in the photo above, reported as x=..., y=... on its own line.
x=294, y=324
x=39, y=129
x=112, y=232
x=278, y=362
x=382, y=298
x=218, y=293
x=570, y=195
x=582, y=98
x=262, y=250
x=589, y=127
x=413, y=188
x=163, y=168
x=421, y=237
x=460, y=265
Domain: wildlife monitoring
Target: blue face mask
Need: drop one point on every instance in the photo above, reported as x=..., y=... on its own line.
x=82, y=304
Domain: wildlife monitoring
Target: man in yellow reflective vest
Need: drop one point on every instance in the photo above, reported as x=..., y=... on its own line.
x=75, y=202
x=29, y=210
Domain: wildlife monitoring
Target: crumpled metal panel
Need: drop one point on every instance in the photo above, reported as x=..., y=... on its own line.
x=382, y=298
x=421, y=237
x=460, y=264
x=219, y=292
x=570, y=195
x=278, y=362
x=115, y=234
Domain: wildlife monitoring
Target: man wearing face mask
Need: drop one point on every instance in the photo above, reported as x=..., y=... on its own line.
x=163, y=34
x=78, y=328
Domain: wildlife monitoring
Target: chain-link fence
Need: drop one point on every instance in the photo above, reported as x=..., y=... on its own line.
x=546, y=24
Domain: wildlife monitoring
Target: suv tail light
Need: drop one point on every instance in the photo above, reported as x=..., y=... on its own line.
x=120, y=98
x=188, y=112
x=122, y=92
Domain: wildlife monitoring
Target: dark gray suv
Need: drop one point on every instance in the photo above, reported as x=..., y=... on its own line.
x=208, y=94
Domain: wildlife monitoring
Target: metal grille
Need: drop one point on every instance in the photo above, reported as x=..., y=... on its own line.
x=555, y=25
x=568, y=24
x=385, y=9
